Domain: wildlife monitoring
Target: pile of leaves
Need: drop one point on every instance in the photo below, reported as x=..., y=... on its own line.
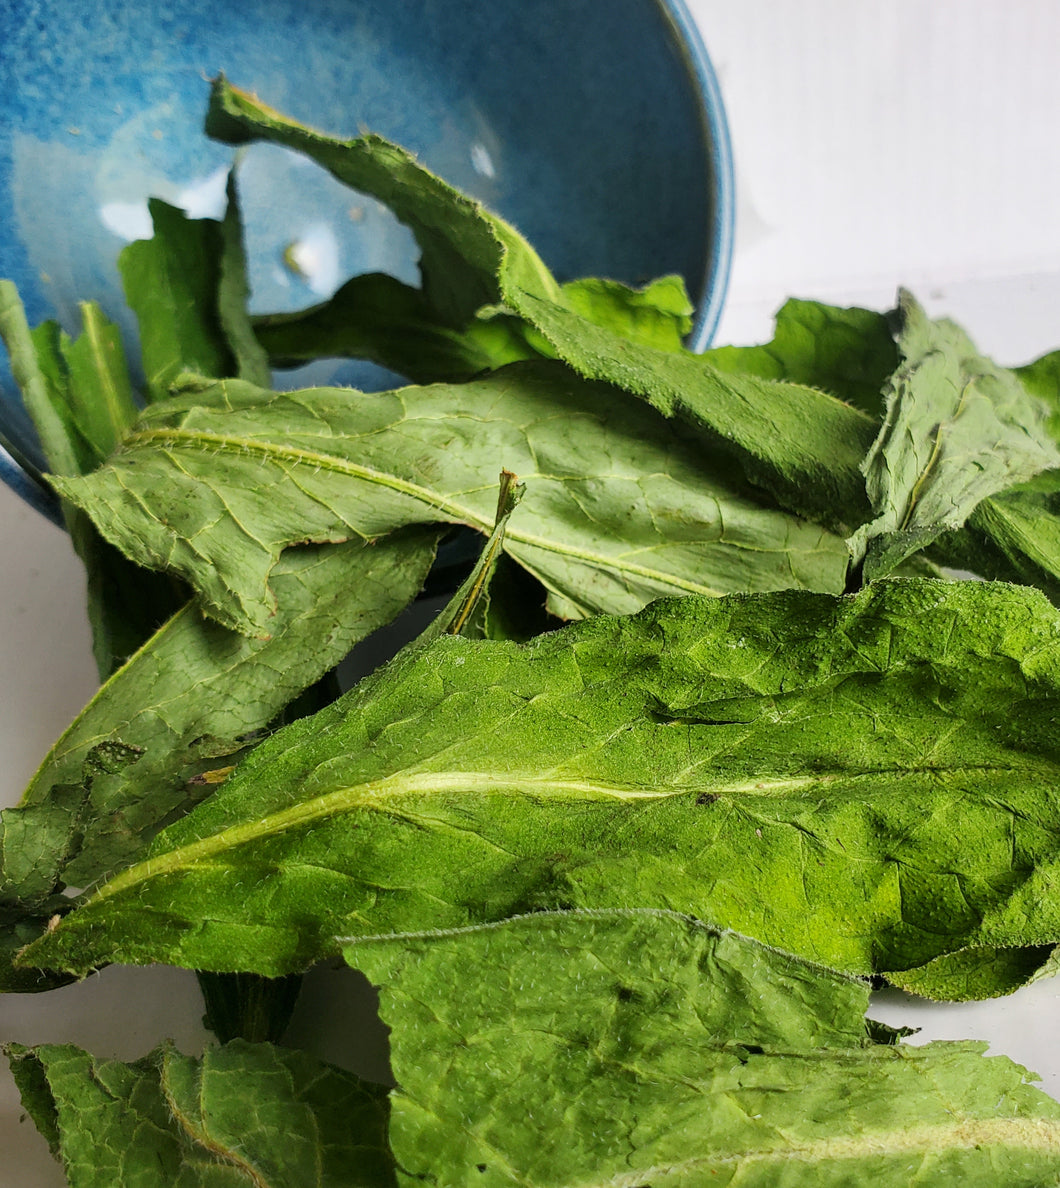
x=707, y=737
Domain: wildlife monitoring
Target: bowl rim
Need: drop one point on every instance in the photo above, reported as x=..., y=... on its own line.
x=719, y=232
x=722, y=224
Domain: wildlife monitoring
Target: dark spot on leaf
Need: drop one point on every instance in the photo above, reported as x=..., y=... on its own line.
x=707, y=798
x=625, y=994
x=480, y=1167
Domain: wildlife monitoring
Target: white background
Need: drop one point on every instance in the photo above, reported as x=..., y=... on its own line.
x=915, y=143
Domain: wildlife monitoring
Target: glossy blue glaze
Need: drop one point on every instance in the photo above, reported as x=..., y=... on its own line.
x=597, y=129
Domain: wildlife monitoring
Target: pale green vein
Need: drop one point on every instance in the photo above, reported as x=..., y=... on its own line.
x=373, y=795
x=446, y=505
x=384, y=792
x=223, y=443
x=92, y=321
x=1030, y=1134
x=199, y=1135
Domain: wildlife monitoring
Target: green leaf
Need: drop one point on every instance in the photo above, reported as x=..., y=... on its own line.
x=867, y=781
x=173, y=283
x=248, y=1114
x=590, y=1048
x=465, y=613
x=620, y=507
x=37, y=840
x=194, y=693
x=643, y=1048
x=848, y=352
x=377, y=317
x=79, y=398
x=233, y=292
x=975, y=973
x=33, y=1088
x=958, y=429
x=1042, y=379
x=659, y=315
x=800, y=444
x=463, y=246
x=100, y=394
x=1013, y=536
x=48, y=410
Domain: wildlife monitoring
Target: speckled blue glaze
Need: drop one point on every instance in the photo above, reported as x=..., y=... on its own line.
x=597, y=129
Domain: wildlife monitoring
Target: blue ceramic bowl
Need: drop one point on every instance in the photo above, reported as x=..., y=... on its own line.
x=597, y=129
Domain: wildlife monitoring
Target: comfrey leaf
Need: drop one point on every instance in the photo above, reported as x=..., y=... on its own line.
x=958, y=428
x=20, y=925
x=244, y=1113
x=589, y=1048
x=1013, y=536
x=977, y=973
x=193, y=692
x=848, y=352
x=635, y=1048
x=1041, y=378
x=377, y=317
x=620, y=507
x=77, y=392
x=659, y=315
x=233, y=293
x=464, y=248
x=800, y=444
x=88, y=380
x=867, y=781
x=173, y=283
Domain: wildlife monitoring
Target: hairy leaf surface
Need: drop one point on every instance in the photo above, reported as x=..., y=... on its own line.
x=958, y=428
x=376, y=317
x=869, y=781
x=642, y=1048
x=659, y=315
x=620, y=506
x=464, y=247
x=244, y=1114
x=589, y=1048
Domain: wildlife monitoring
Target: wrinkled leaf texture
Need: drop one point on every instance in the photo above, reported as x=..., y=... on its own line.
x=243, y=1114
x=801, y=444
x=585, y=1048
x=1012, y=535
x=957, y=428
x=197, y=691
x=630, y=1048
x=867, y=781
x=620, y=506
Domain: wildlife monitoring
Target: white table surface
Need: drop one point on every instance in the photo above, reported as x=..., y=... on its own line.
x=910, y=144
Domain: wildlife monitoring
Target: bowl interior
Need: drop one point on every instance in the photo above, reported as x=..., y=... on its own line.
x=585, y=124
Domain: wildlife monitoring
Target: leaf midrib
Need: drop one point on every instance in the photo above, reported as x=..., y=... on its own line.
x=343, y=800
x=1029, y=1134
x=377, y=793
x=448, y=507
